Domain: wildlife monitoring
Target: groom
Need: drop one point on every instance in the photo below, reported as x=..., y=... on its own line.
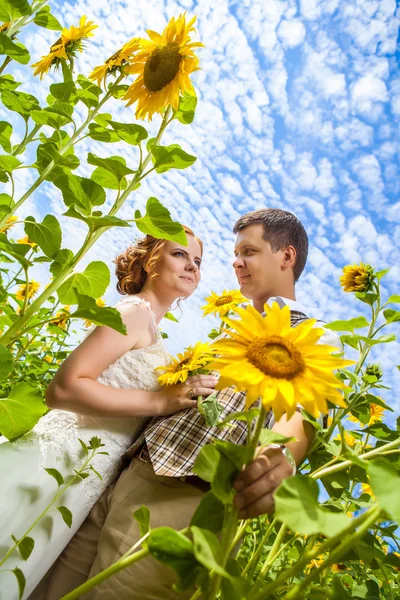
x=270, y=254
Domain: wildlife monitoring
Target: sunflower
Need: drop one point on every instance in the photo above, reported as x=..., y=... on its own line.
x=281, y=364
x=119, y=59
x=4, y=27
x=61, y=318
x=375, y=414
x=357, y=278
x=367, y=489
x=8, y=224
x=26, y=240
x=29, y=290
x=163, y=65
x=223, y=303
x=100, y=302
x=178, y=370
x=65, y=47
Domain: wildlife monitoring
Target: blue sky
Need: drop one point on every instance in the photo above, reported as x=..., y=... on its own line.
x=299, y=105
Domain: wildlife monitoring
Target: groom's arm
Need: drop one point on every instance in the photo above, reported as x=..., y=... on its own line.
x=257, y=483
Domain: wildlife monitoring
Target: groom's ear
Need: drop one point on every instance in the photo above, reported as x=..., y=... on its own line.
x=289, y=257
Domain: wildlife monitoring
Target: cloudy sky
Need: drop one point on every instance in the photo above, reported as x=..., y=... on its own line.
x=299, y=105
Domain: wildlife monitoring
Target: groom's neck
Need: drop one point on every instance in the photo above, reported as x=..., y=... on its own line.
x=289, y=293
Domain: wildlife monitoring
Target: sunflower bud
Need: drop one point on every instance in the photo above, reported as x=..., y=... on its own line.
x=357, y=278
x=374, y=370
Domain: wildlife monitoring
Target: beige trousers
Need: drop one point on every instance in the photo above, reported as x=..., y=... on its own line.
x=109, y=531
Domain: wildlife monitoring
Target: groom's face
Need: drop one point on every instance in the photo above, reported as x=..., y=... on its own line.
x=258, y=269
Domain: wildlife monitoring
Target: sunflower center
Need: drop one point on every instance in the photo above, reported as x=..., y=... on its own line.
x=223, y=300
x=183, y=363
x=162, y=66
x=276, y=357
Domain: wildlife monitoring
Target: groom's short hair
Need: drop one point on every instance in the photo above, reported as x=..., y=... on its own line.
x=281, y=229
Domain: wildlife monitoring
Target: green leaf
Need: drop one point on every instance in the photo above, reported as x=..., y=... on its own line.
x=95, y=443
x=394, y=299
x=114, y=164
x=18, y=52
x=83, y=446
x=6, y=362
x=296, y=503
x=350, y=340
x=391, y=315
x=92, y=282
x=118, y=91
x=48, y=152
x=13, y=9
x=142, y=518
x=175, y=550
x=158, y=223
x=245, y=415
x=206, y=547
x=171, y=157
x=238, y=455
x=17, y=251
x=382, y=432
x=57, y=476
x=26, y=546
x=367, y=297
x=50, y=117
x=20, y=102
x=5, y=136
x=88, y=309
x=61, y=259
x=101, y=134
x=225, y=474
x=380, y=274
x=268, y=437
x=385, y=483
x=66, y=515
x=186, y=109
x=81, y=192
x=131, y=134
x=168, y=315
x=209, y=514
x=108, y=180
x=9, y=163
x=339, y=592
x=210, y=408
x=63, y=92
x=90, y=100
x=383, y=339
x=21, y=581
x=7, y=82
x=46, y=234
x=206, y=462
x=95, y=223
x=45, y=19
x=91, y=467
x=349, y=325
x=21, y=410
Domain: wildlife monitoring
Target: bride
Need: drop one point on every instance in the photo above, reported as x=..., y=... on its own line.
x=106, y=388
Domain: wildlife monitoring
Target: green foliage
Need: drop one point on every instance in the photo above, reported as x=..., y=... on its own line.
x=21, y=410
x=16, y=51
x=92, y=282
x=157, y=222
x=170, y=157
x=142, y=518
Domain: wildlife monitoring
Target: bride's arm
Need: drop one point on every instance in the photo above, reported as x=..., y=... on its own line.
x=74, y=387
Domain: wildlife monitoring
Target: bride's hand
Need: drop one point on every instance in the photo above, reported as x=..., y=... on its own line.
x=173, y=398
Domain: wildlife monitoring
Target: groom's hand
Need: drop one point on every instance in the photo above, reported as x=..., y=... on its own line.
x=257, y=483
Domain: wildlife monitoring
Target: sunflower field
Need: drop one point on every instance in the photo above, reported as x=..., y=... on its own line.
x=334, y=531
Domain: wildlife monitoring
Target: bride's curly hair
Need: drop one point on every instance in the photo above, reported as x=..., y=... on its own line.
x=137, y=262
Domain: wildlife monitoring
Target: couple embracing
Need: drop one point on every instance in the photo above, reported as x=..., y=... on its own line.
x=108, y=386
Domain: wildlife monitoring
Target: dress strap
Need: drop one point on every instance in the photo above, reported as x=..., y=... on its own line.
x=137, y=301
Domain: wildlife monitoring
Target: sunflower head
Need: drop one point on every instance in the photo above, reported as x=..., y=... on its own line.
x=367, y=489
x=357, y=278
x=221, y=304
x=163, y=65
x=282, y=365
x=61, y=319
x=8, y=224
x=115, y=63
x=188, y=362
x=374, y=371
x=27, y=290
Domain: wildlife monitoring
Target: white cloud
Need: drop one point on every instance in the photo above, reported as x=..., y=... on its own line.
x=291, y=33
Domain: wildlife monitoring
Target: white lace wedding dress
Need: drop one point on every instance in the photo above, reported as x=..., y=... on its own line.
x=26, y=488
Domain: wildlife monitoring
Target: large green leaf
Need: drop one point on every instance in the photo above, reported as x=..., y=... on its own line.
x=385, y=483
x=102, y=134
x=296, y=503
x=16, y=51
x=205, y=465
x=394, y=299
x=20, y=102
x=209, y=514
x=9, y=163
x=97, y=222
x=46, y=234
x=80, y=192
x=5, y=135
x=6, y=362
x=114, y=164
x=158, y=223
x=17, y=251
x=391, y=315
x=349, y=325
x=45, y=19
x=90, y=100
x=383, y=339
x=225, y=475
x=48, y=152
x=7, y=82
x=63, y=92
x=108, y=180
x=51, y=117
x=206, y=547
x=175, y=550
x=88, y=85
x=60, y=260
x=92, y=282
x=21, y=410
x=20, y=580
x=237, y=454
x=186, y=109
x=13, y=9
x=88, y=309
x=132, y=134
x=171, y=157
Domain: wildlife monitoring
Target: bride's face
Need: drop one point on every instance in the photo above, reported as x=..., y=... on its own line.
x=179, y=267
